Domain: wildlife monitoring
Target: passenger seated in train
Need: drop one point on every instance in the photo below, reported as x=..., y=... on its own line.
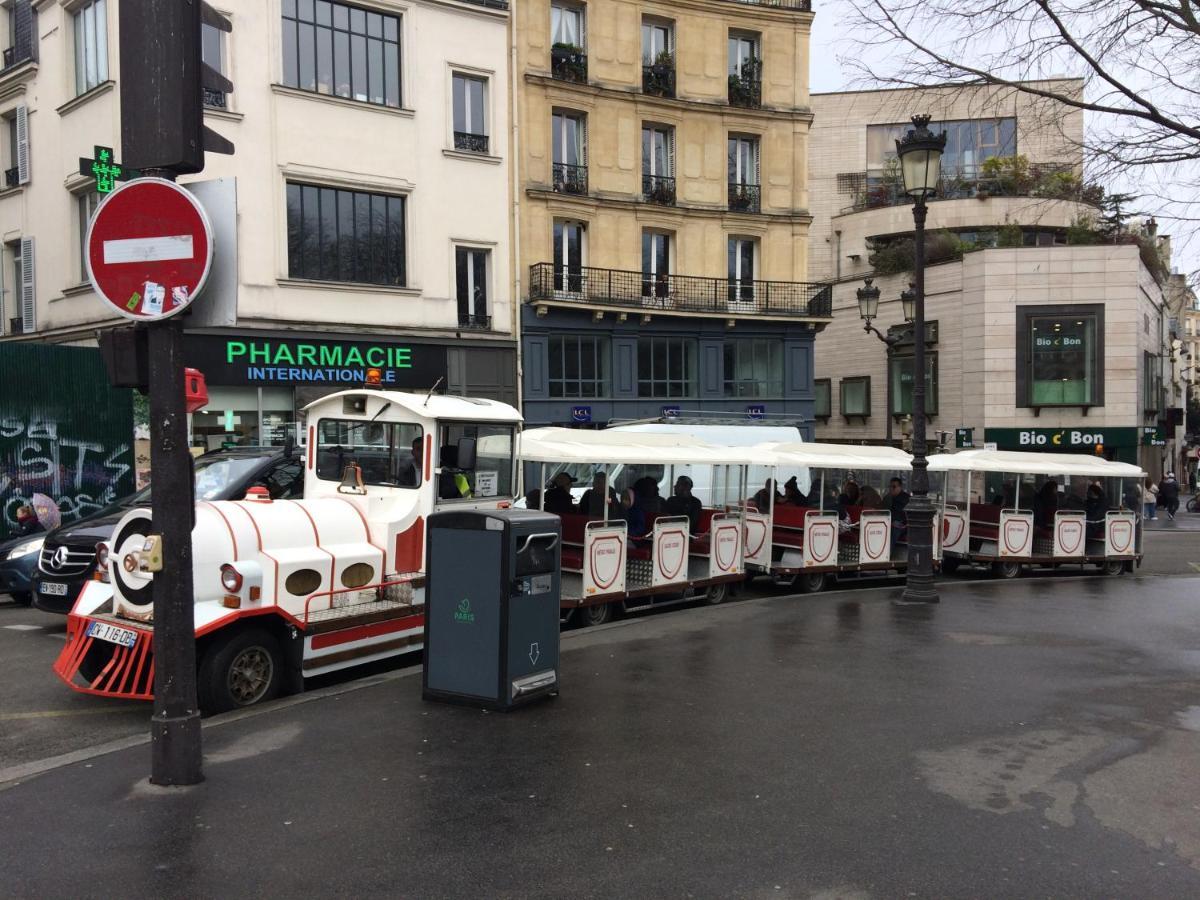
x=850, y=496
x=897, y=504
x=762, y=499
x=643, y=504
x=592, y=504
x=533, y=499
x=1045, y=504
x=1097, y=508
x=682, y=503
x=869, y=498
x=557, y=498
x=792, y=495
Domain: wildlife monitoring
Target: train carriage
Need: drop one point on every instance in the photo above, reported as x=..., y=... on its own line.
x=1010, y=509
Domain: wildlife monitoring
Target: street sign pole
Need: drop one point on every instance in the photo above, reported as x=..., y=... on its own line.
x=175, y=726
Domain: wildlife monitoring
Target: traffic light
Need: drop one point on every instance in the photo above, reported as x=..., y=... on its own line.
x=163, y=78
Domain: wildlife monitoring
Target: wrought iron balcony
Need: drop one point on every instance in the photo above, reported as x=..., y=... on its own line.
x=659, y=79
x=745, y=197
x=797, y=5
x=12, y=177
x=659, y=189
x=568, y=63
x=472, y=143
x=745, y=90
x=570, y=179
x=472, y=321
x=588, y=286
x=214, y=99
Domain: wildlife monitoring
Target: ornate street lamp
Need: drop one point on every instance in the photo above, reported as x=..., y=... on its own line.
x=868, y=309
x=920, y=153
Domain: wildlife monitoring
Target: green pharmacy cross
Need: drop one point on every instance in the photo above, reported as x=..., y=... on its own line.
x=105, y=170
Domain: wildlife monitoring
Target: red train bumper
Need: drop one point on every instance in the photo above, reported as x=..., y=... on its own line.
x=94, y=666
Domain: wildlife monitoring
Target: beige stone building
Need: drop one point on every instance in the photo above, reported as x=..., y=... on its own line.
x=662, y=154
x=364, y=218
x=1040, y=337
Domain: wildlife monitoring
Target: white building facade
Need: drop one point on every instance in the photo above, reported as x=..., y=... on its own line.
x=362, y=221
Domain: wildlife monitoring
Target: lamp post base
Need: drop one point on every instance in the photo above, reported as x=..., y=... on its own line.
x=919, y=586
x=919, y=594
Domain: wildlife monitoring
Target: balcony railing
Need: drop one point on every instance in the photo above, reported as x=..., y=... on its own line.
x=472, y=321
x=659, y=79
x=12, y=177
x=570, y=179
x=1050, y=181
x=798, y=5
x=678, y=293
x=568, y=63
x=745, y=90
x=472, y=143
x=659, y=189
x=214, y=99
x=744, y=197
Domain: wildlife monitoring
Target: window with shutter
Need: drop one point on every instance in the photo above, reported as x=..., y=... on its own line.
x=21, y=124
x=28, y=301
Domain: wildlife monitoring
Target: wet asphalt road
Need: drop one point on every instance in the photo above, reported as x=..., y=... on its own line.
x=41, y=718
x=1028, y=738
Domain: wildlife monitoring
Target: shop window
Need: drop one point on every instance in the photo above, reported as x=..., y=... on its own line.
x=347, y=236
x=492, y=472
x=822, y=398
x=902, y=385
x=91, y=45
x=387, y=453
x=1059, y=353
x=666, y=368
x=343, y=51
x=578, y=366
x=856, y=396
x=753, y=368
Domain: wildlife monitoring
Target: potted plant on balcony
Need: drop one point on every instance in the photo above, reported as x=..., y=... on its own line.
x=659, y=75
x=745, y=89
x=568, y=63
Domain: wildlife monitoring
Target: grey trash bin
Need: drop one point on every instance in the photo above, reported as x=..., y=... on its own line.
x=491, y=607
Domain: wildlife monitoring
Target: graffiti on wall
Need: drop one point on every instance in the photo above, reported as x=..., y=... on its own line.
x=40, y=454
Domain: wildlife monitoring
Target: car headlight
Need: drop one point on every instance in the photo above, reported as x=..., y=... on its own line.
x=26, y=547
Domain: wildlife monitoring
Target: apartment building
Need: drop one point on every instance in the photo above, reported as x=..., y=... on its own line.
x=363, y=220
x=1047, y=331
x=663, y=209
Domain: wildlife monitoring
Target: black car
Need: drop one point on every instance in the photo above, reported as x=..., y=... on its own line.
x=18, y=562
x=68, y=554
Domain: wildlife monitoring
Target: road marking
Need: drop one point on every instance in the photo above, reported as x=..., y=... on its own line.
x=148, y=249
x=60, y=713
x=23, y=627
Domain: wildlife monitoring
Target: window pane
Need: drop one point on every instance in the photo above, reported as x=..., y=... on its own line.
x=329, y=235
x=459, y=91
x=324, y=60
x=477, y=109
x=1062, y=359
x=308, y=57
x=295, y=229
x=336, y=235
x=375, y=70
x=341, y=64
x=345, y=215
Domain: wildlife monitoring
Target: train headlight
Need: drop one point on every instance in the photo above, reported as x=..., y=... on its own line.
x=231, y=579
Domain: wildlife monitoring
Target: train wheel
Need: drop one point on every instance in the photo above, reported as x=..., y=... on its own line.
x=809, y=582
x=717, y=593
x=1006, y=570
x=950, y=564
x=240, y=670
x=1112, y=567
x=595, y=615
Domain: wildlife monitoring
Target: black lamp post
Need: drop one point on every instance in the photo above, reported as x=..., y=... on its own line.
x=920, y=153
x=868, y=308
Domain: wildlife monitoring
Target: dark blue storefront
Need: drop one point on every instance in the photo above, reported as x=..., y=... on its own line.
x=586, y=368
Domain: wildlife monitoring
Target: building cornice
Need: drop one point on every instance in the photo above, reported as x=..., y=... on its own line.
x=678, y=211
x=793, y=114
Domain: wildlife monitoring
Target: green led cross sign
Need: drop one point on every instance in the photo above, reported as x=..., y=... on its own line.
x=105, y=170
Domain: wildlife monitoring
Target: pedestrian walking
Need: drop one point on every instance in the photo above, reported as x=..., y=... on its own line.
x=1168, y=494
x=1149, y=501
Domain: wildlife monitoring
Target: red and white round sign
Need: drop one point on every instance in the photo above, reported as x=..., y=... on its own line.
x=149, y=249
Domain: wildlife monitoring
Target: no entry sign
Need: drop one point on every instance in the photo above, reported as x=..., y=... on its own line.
x=149, y=249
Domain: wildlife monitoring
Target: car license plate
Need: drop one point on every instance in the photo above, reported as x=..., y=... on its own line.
x=54, y=589
x=111, y=633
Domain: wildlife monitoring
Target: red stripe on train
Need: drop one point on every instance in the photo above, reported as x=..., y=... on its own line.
x=362, y=632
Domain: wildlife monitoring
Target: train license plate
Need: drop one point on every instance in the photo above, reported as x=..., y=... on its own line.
x=53, y=589
x=111, y=633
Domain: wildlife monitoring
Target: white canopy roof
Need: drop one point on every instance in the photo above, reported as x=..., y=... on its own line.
x=574, y=445
x=421, y=406
x=1035, y=463
x=834, y=456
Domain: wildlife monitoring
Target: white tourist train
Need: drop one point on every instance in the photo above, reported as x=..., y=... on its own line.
x=290, y=589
